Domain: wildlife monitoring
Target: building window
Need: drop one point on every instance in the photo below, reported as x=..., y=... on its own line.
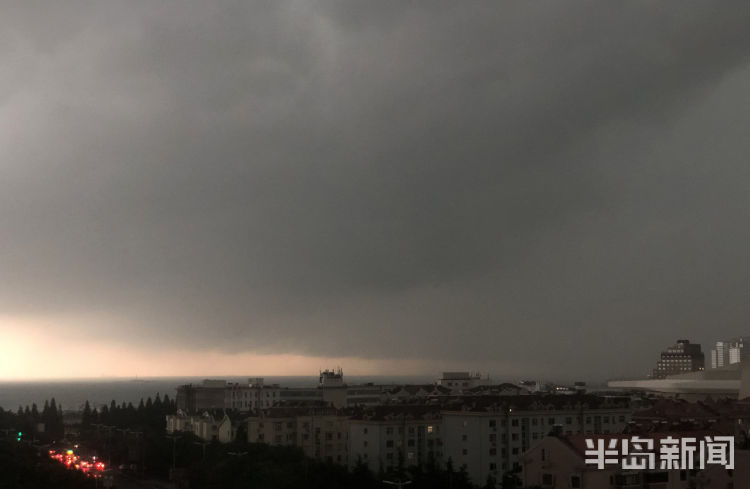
x=364, y=430
x=575, y=482
x=465, y=452
x=493, y=467
x=551, y=421
x=493, y=423
x=429, y=429
x=493, y=452
x=514, y=422
x=547, y=479
x=544, y=455
x=464, y=437
x=389, y=444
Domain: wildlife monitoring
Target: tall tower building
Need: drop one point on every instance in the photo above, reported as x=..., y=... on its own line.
x=727, y=352
x=720, y=355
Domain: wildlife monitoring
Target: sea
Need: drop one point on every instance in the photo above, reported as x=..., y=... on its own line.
x=73, y=394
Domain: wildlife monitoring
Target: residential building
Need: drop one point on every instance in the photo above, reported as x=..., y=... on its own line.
x=256, y=394
x=207, y=395
x=206, y=426
x=321, y=432
x=386, y=436
x=489, y=436
x=461, y=381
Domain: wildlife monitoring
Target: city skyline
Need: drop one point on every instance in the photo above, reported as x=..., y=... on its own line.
x=273, y=188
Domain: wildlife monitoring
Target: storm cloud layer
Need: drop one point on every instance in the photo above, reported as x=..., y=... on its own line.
x=511, y=186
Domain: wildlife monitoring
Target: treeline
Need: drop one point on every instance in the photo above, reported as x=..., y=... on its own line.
x=128, y=434
x=44, y=425
x=242, y=464
x=149, y=415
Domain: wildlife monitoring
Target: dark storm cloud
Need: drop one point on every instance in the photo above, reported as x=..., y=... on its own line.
x=462, y=183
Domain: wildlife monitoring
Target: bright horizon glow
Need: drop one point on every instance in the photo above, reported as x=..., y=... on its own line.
x=30, y=353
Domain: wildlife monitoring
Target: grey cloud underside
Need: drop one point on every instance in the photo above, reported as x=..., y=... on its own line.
x=450, y=182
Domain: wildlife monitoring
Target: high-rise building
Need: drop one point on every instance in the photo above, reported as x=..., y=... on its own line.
x=727, y=352
x=680, y=358
x=720, y=355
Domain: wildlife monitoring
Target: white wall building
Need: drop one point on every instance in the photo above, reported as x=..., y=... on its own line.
x=460, y=381
x=728, y=352
x=490, y=439
x=411, y=435
x=205, y=426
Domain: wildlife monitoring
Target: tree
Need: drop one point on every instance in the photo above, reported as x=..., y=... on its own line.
x=86, y=417
x=491, y=483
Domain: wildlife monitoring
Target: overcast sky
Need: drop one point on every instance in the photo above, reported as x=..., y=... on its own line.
x=529, y=189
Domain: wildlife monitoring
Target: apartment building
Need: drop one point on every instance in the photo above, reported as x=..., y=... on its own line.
x=205, y=426
x=385, y=437
x=462, y=381
x=321, y=432
x=489, y=435
x=256, y=394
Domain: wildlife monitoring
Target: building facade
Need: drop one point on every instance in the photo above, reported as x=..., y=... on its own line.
x=391, y=436
x=489, y=439
x=322, y=432
x=680, y=358
x=728, y=352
